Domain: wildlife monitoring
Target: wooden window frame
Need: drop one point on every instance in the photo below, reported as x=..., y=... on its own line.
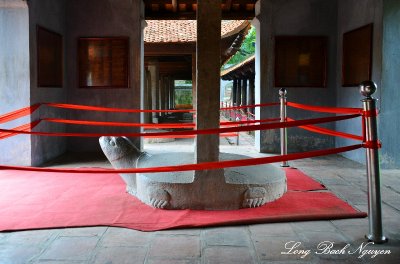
x=298, y=42
x=126, y=62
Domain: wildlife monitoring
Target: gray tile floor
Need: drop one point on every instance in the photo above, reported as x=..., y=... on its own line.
x=262, y=243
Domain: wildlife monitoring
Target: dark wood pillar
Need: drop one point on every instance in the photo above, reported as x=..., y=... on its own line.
x=155, y=87
x=239, y=93
x=234, y=88
x=147, y=95
x=161, y=94
x=168, y=94
x=244, y=92
x=208, y=79
x=250, y=99
x=194, y=82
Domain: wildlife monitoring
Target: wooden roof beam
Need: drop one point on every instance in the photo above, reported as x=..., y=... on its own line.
x=228, y=5
x=174, y=6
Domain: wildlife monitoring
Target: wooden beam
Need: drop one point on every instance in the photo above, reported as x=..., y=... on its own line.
x=228, y=5
x=174, y=5
x=169, y=48
x=191, y=15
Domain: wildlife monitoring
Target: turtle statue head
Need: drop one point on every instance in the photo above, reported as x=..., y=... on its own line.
x=117, y=148
x=121, y=153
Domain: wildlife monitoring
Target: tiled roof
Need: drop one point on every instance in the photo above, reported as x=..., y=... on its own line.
x=167, y=31
x=247, y=61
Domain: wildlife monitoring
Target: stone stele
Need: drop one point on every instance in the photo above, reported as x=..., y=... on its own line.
x=243, y=187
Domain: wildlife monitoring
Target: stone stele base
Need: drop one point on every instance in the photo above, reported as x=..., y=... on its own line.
x=225, y=189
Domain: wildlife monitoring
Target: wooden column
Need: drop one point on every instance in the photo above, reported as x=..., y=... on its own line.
x=194, y=82
x=161, y=95
x=166, y=92
x=239, y=92
x=250, y=99
x=244, y=92
x=147, y=95
x=208, y=79
x=155, y=85
x=234, y=88
x=171, y=94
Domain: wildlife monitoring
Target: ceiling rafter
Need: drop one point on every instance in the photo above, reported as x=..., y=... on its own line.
x=174, y=6
x=186, y=9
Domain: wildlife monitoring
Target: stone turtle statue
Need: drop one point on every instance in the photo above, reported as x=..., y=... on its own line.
x=224, y=189
x=122, y=154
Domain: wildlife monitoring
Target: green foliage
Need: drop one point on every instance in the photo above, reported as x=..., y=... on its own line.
x=183, y=96
x=247, y=49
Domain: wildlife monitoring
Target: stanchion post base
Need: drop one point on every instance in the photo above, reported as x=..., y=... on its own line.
x=285, y=165
x=377, y=240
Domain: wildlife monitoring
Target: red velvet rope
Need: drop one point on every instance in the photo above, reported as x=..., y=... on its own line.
x=18, y=113
x=120, y=124
x=251, y=121
x=323, y=109
x=370, y=113
x=197, y=132
x=372, y=144
x=248, y=106
x=148, y=125
x=329, y=132
x=26, y=127
x=110, y=109
x=124, y=110
x=199, y=166
x=191, y=136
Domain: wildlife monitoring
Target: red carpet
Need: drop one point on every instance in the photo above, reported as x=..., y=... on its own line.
x=32, y=200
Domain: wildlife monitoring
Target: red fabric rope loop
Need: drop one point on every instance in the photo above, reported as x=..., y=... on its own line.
x=26, y=127
x=147, y=125
x=248, y=106
x=376, y=144
x=274, y=125
x=370, y=113
x=110, y=109
x=18, y=113
x=199, y=166
x=323, y=109
x=325, y=131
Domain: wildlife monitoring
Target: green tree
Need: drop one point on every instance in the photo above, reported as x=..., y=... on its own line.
x=246, y=50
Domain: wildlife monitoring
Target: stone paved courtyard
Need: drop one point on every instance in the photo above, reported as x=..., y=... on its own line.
x=262, y=243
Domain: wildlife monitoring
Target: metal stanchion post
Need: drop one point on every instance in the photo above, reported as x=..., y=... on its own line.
x=282, y=98
x=367, y=88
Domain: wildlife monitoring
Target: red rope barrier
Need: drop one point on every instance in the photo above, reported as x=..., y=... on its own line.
x=147, y=125
x=199, y=166
x=248, y=106
x=121, y=124
x=370, y=113
x=329, y=132
x=191, y=136
x=18, y=113
x=109, y=109
x=197, y=132
x=26, y=127
x=372, y=144
x=323, y=109
x=250, y=121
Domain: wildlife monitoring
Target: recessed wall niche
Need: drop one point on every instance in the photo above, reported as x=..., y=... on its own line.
x=300, y=61
x=49, y=58
x=357, y=56
x=103, y=62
